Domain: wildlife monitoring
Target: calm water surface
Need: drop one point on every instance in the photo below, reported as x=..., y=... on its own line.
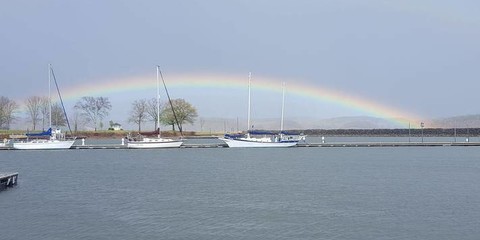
x=295, y=193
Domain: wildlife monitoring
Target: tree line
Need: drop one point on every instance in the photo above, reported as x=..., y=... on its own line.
x=144, y=110
x=91, y=111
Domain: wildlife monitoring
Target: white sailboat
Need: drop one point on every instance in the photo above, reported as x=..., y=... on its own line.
x=262, y=138
x=50, y=139
x=155, y=142
x=55, y=141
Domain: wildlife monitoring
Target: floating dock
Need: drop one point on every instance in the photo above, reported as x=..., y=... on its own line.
x=8, y=180
x=390, y=144
x=119, y=146
x=332, y=144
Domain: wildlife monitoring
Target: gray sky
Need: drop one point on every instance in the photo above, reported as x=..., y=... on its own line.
x=418, y=56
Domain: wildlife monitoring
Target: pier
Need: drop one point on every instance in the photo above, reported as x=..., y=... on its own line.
x=8, y=180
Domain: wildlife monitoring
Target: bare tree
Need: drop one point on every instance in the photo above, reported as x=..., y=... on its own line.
x=44, y=109
x=94, y=109
x=139, y=112
x=184, y=113
x=75, y=117
x=152, y=111
x=7, y=112
x=58, y=117
x=34, y=105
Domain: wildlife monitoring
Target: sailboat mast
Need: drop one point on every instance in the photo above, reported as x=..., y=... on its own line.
x=158, y=103
x=248, y=115
x=283, y=106
x=49, y=96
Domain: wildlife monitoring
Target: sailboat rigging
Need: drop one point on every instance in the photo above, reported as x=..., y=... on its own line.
x=170, y=101
x=61, y=101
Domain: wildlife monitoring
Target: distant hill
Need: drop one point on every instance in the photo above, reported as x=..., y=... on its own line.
x=353, y=122
x=231, y=125
x=358, y=122
x=465, y=121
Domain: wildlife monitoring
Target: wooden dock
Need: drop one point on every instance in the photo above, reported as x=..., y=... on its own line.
x=8, y=180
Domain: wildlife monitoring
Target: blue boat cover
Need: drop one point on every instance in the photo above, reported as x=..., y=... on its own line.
x=233, y=136
x=287, y=133
x=259, y=132
x=42, y=134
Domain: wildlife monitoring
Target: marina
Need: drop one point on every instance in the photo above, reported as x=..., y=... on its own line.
x=260, y=120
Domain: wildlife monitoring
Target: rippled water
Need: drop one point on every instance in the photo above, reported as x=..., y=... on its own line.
x=295, y=193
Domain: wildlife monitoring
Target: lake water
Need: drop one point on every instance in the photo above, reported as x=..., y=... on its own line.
x=294, y=193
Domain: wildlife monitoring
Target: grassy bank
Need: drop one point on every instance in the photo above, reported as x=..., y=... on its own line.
x=105, y=134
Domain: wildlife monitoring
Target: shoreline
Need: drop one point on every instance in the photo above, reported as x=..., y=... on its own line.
x=427, y=132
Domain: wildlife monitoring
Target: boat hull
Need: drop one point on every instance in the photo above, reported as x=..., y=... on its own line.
x=154, y=144
x=43, y=144
x=234, y=143
x=5, y=145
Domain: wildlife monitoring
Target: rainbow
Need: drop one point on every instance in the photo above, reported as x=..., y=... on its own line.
x=215, y=81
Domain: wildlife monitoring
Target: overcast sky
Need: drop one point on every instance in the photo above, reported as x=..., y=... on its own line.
x=418, y=56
